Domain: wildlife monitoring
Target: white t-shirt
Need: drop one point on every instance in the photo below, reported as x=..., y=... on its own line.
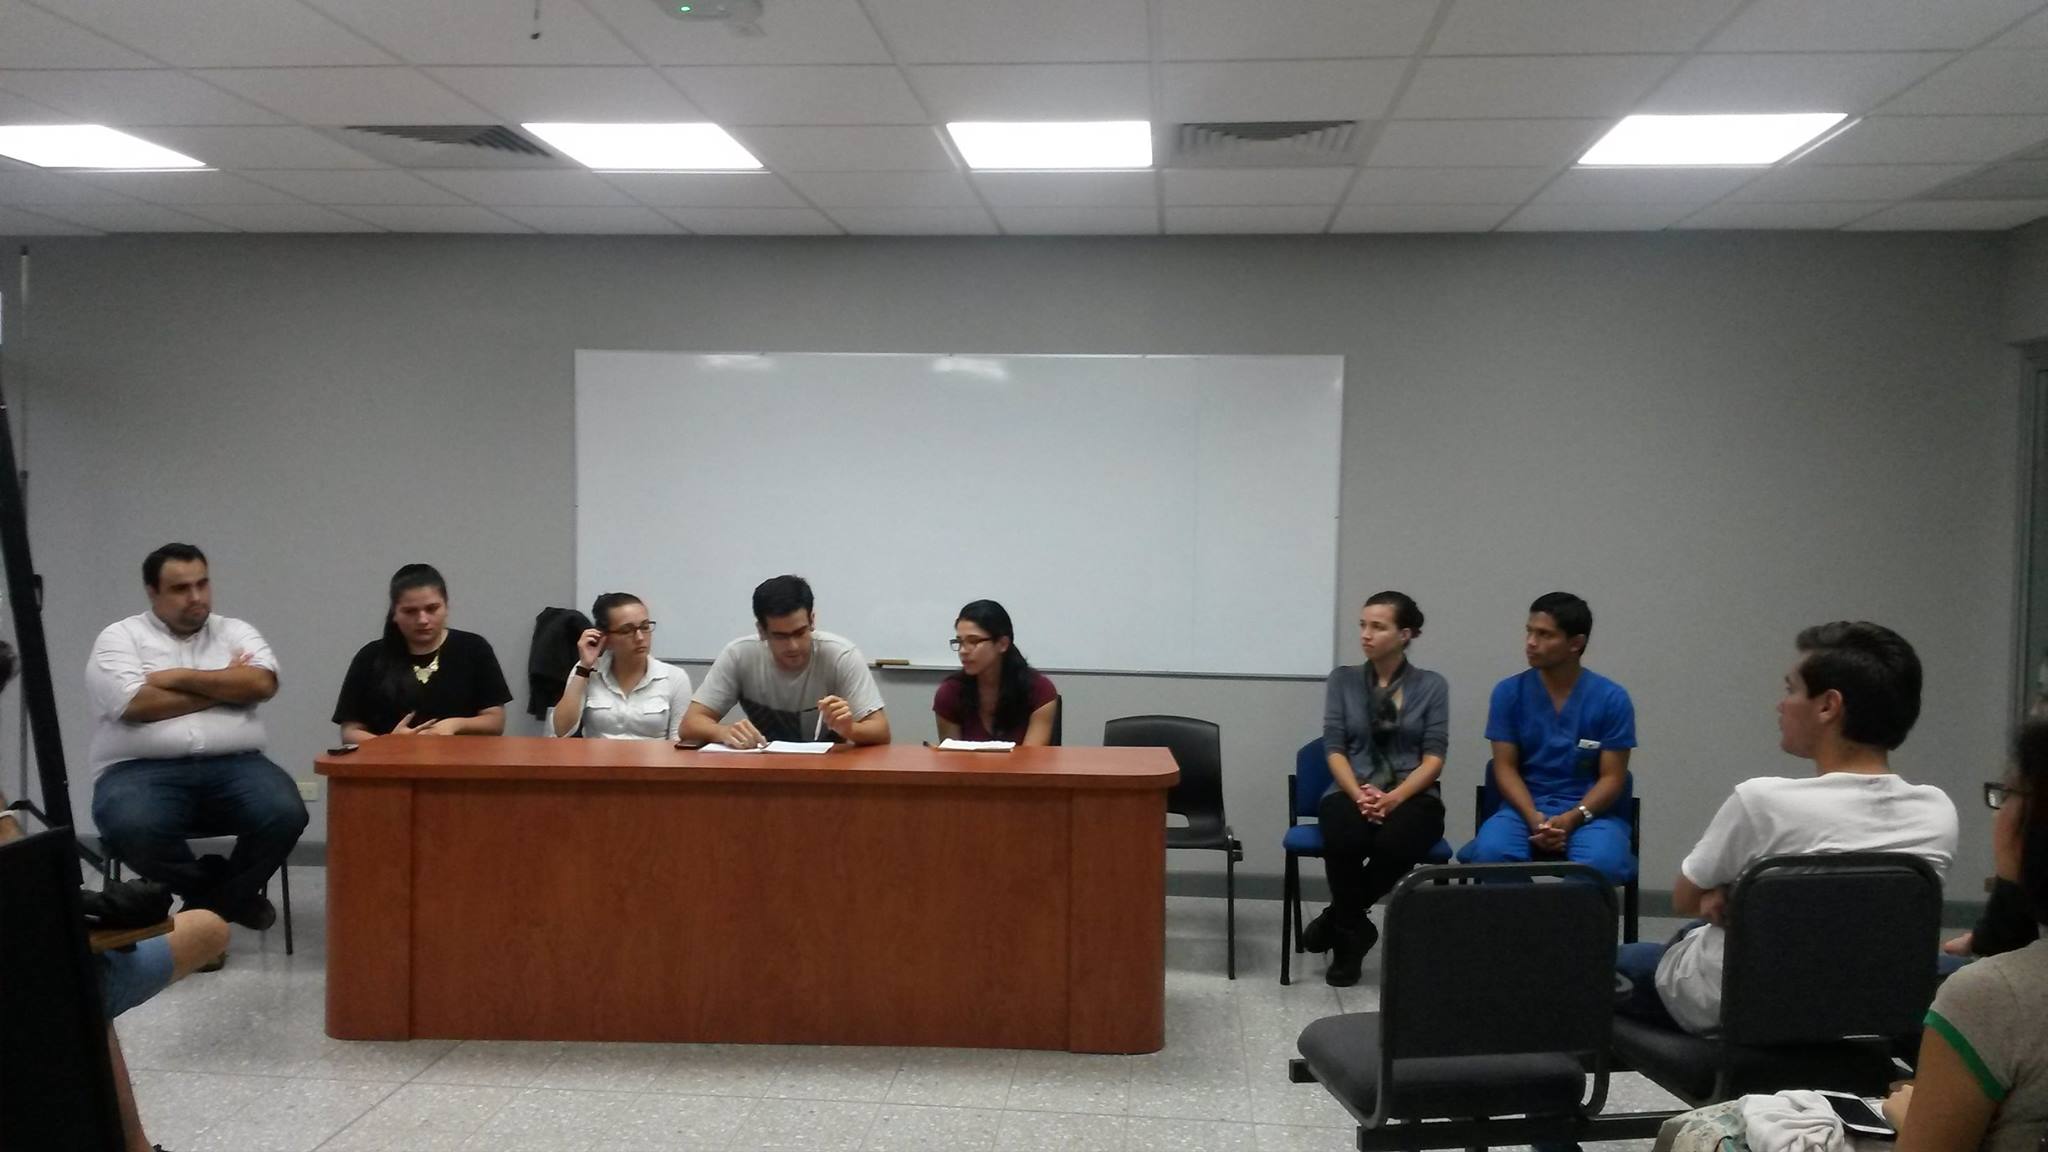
x=128, y=650
x=1775, y=815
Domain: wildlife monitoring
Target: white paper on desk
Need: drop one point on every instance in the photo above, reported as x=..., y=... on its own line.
x=798, y=747
x=976, y=745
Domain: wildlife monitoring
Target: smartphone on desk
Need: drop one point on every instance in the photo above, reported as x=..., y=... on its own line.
x=1859, y=1115
x=342, y=749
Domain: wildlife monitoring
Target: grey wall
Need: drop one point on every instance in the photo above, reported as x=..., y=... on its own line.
x=1717, y=439
x=2026, y=284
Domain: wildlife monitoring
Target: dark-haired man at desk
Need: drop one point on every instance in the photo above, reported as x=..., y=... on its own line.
x=792, y=681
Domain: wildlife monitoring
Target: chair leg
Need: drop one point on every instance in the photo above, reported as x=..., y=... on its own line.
x=1631, y=901
x=1290, y=930
x=284, y=877
x=1230, y=910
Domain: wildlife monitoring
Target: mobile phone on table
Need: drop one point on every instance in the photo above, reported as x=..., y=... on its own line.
x=342, y=749
x=1859, y=1115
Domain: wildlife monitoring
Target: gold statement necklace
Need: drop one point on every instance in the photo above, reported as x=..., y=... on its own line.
x=426, y=672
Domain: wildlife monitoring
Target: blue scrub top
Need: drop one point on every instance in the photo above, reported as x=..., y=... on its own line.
x=1561, y=749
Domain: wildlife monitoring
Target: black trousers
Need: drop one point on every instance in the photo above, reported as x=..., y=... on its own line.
x=1365, y=860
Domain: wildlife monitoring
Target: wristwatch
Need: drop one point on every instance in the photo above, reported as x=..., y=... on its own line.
x=1585, y=814
x=582, y=670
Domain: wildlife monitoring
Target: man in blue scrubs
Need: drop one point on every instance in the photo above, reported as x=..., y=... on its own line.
x=1561, y=737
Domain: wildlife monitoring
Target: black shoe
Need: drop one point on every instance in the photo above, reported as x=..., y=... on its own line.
x=1316, y=934
x=257, y=912
x=1350, y=947
x=216, y=966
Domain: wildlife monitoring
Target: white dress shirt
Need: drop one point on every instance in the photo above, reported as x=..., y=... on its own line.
x=653, y=710
x=129, y=650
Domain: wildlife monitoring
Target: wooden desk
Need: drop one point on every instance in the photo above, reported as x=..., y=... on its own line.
x=522, y=888
x=108, y=939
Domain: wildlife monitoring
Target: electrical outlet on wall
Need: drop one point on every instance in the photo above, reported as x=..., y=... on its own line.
x=309, y=791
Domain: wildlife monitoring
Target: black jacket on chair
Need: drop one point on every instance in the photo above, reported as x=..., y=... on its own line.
x=555, y=631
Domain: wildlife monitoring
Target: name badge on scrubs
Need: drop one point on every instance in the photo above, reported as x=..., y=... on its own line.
x=1589, y=745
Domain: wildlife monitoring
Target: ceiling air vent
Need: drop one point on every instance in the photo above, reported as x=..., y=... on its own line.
x=1268, y=144
x=446, y=146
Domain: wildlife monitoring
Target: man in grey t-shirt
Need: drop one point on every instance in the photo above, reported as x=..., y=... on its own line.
x=792, y=681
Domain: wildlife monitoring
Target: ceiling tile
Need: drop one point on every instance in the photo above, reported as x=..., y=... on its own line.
x=885, y=189
x=754, y=221
x=1955, y=215
x=15, y=110
x=532, y=189
x=413, y=218
x=1000, y=31
x=529, y=95
x=1666, y=186
x=344, y=96
x=1034, y=91
x=806, y=32
x=1447, y=186
x=1524, y=86
x=482, y=31
x=121, y=97
x=802, y=94
x=133, y=218
x=365, y=187
x=1851, y=82
x=1420, y=217
x=631, y=220
x=1195, y=219
x=279, y=218
x=32, y=38
x=1989, y=83
x=915, y=221
x=706, y=189
x=1930, y=140
x=1047, y=220
x=186, y=187
x=15, y=222
x=264, y=147
x=1866, y=25
x=1276, y=186
x=1820, y=183
x=1518, y=28
x=1740, y=214
x=1242, y=90
x=1483, y=143
x=1293, y=29
x=2033, y=33
x=871, y=149
x=2026, y=180
x=32, y=187
x=224, y=33
x=1596, y=217
x=1067, y=189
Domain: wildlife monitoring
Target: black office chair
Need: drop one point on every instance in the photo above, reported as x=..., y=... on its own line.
x=1059, y=720
x=59, y=1082
x=1470, y=1031
x=284, y=880
x=1197, y=748
x=1486, y=801
x=1827, y=958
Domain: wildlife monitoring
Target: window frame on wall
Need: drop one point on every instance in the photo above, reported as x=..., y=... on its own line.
x=2030, y=638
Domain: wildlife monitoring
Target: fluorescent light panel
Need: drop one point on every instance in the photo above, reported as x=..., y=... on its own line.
x=1684, y=141
x=1041, y=145
x=648, y=147
x=86, y=146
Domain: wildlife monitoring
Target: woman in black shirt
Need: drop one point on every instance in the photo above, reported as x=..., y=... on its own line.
x=422, y=678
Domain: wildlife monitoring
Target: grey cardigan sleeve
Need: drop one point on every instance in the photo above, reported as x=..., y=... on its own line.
x=1436, y=718
x=1334, y=694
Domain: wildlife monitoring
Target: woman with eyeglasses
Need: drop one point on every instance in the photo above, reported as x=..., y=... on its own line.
x=422, y=678
x=1982, y=1078
x=997, y=694
x=618, y=691
x=1386, y=726
x=2008, y=921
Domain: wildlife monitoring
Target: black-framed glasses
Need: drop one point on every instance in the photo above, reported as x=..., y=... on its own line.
x=644, y=628
x=1995, y=794
x=969, y=643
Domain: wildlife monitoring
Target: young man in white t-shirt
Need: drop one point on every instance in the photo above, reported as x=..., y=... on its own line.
x=1850, y=698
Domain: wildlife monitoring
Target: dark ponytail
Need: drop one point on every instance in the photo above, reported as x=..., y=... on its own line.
x=394, y=659
x=1013, y=693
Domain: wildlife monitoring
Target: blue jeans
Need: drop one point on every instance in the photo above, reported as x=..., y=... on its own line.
x=146, y=810
x=1602, y=844
x=1638, y=962
x=131, y=976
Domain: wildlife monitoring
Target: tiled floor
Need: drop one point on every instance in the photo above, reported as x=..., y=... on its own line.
x=236, y=1061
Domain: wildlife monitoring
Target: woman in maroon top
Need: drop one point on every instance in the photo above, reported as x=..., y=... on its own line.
x=996, y=695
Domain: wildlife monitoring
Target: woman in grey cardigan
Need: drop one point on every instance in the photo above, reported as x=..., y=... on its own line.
x=1386, y=724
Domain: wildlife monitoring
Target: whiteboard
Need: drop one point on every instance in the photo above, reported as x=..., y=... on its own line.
x=1133, y=513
